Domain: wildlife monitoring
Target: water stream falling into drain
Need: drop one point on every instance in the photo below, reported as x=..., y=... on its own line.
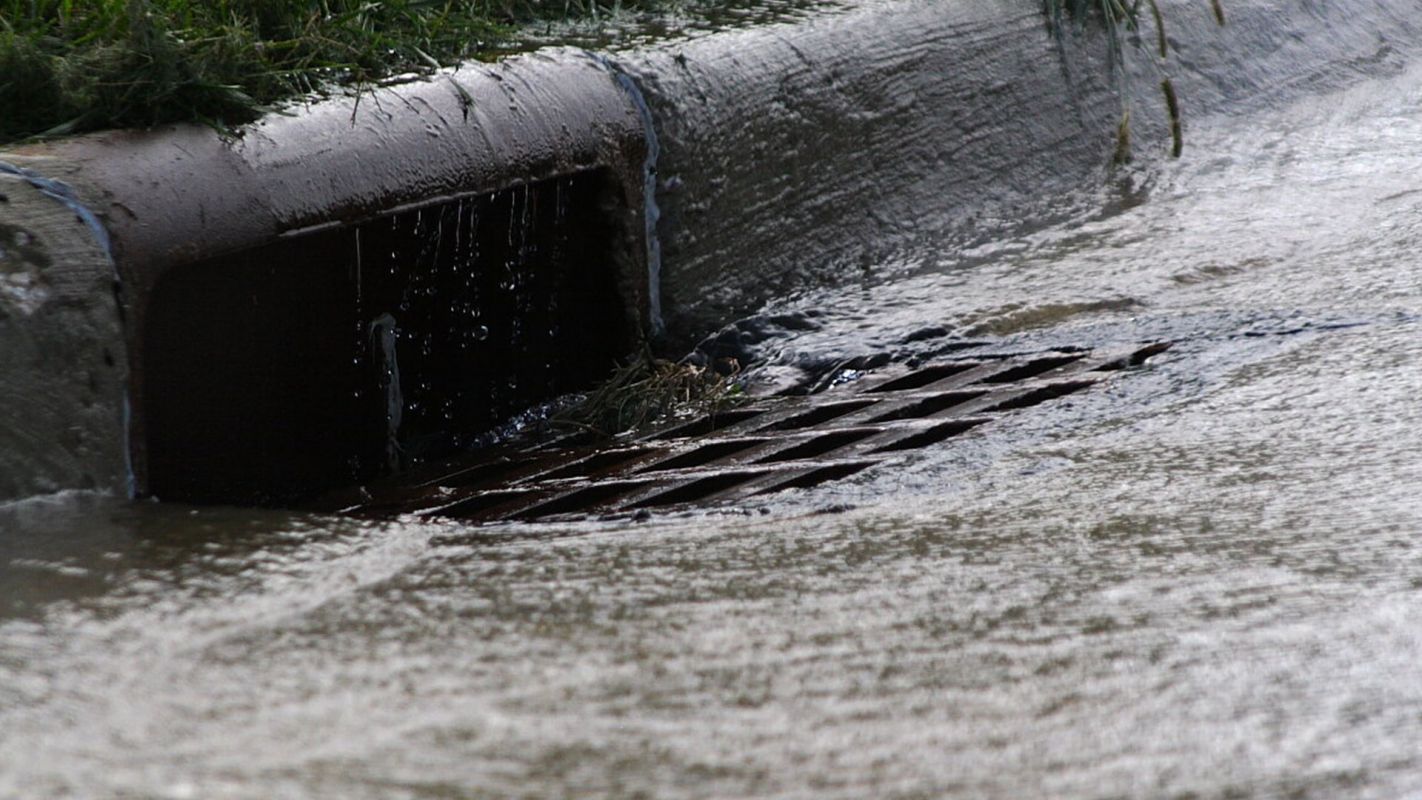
x=459, y=315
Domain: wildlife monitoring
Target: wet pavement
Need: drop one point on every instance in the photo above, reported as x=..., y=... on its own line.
x=1200, y=580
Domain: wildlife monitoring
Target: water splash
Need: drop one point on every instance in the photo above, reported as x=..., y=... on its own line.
x=494, y=296
x=383, y=335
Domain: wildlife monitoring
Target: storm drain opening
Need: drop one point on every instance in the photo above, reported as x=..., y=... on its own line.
x=270, y=375
x=796, y=443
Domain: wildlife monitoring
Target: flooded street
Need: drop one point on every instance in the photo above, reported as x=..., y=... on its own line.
x=1202, y=579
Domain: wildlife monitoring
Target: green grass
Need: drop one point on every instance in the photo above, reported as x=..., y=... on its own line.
x=68, y=66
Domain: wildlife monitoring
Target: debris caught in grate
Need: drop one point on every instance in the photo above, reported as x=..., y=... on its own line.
x=768, y=445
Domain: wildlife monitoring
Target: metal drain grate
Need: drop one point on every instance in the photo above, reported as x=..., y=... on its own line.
x=765, y=446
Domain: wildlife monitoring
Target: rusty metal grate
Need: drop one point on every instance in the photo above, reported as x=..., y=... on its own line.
x=766, y=446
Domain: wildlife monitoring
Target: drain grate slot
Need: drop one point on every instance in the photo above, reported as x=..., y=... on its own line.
x=481, y=503
x=815, y=477
x=710, y=423
x=820, y=445
x=929, y=406
x=705, y=454
x=819, y=415
x=933, y=435
x=1031, y=369
x=598, y=462
x=480, y=474
x=699, y=489
x=1042, y=395
x=585, y=499
x=920, y=378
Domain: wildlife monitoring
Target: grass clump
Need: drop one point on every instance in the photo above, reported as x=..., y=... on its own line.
x=68, y=66
x=648, y=389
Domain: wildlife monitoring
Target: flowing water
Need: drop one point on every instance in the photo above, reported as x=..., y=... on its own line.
x=1199, y=581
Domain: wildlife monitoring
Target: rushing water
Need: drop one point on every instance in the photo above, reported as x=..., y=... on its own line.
x=1203, y=580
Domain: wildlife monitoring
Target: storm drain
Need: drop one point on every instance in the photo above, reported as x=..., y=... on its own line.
x=767, y=445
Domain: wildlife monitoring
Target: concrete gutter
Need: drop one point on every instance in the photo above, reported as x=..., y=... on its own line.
x=812, y=151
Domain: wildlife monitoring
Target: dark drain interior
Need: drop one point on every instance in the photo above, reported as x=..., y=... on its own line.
x=770, y=445
x=336, y=357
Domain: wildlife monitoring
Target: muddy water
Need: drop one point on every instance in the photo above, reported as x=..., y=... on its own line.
x=1202, y=580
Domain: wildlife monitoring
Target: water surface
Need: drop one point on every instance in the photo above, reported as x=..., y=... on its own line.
x=1201, y=580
